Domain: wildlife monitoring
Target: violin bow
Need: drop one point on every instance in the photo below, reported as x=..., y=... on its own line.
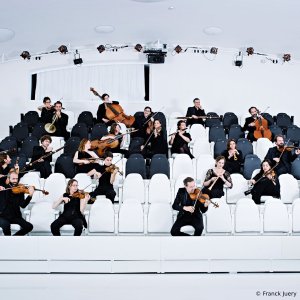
x=154, y=115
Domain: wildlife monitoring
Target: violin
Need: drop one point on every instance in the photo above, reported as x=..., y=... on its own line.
x=287, y=148
x=21, y=188
x=115, y=112
x=261, y=128
x=80, y=194
x=197, y=195
x=112, y=168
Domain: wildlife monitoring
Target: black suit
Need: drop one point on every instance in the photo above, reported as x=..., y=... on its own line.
x=250, y=129
x=43, y=167
x=10, y=212
x=186, y=218
x=197, y=112
x=61, y=126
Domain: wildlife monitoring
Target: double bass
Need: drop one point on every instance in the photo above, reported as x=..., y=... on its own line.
x=114, y=112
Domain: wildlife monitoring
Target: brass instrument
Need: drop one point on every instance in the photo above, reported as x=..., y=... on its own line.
x=234, y=155
x=50, y=127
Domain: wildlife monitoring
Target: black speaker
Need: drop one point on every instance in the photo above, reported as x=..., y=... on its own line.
x=156, y=58
x=78, y=61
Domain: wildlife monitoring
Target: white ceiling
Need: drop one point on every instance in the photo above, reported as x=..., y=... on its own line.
x=270, y=26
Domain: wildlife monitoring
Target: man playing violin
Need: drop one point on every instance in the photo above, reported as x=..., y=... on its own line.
x=195, y=112
x=74, y=206
x=281, y=156
x=101, y=112
x=190, y=212
x=106, y=177
x=10, y=204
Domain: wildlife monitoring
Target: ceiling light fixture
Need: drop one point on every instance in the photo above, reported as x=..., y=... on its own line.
x=250, y=51
x=138, y=47
x=178, y=49
x=101, y=48
x=25, y=55
x=286, y=57
x=63, y=49
x=214, y=50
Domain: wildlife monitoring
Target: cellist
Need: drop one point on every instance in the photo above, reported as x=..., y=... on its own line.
x=101, y=113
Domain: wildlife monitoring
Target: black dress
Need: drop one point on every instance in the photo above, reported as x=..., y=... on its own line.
x=233, y=165
x=43, y=167
x=101, y=113
x=156, y=145
x=85, y=168
x=180, y=145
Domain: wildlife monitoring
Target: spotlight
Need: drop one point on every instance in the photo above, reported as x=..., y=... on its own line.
x=63, y=49
x=239, y=60
x=250, y=51
x=213, y=50
x=138, y=47
x=286, y=57
x=178, y=49
x=101, y=48
x=25, y=55
x=77, y=59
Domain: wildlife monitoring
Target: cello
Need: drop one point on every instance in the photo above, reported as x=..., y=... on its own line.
x=114, y=112
x=261, y=128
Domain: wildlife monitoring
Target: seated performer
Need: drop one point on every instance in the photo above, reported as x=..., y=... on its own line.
x=180, y=140
x=216, y=178
x=101, y=112
x=195, y=112
x=60, y=121
x=10, y=204
x=73, y=209
x=42, y=164
x=140, y=122
x=47, y=111
x=190, y=212
x=234, y=158
x=265, y=183
x=5, y=161
x=83, y=158
x=106, y=177
x=281, y=157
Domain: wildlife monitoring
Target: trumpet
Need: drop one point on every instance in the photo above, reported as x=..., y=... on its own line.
x=50, y=127
x=235, y=155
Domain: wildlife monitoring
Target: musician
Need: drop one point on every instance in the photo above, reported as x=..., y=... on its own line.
x=251, y=123
x=284, y=158
x=140, y=122
x=190, y=212
x=194, y=112
x=5, y=161
x=156, y=141
x=106, y=179
x=265, y=183
x=73, y=210
x=42, y=164
x=101, y=113
x=180, y=140
x=47, y=111
x=233, y=157
x=61, y=121
x=83, y=159
x=216, y=178
x=10, y=204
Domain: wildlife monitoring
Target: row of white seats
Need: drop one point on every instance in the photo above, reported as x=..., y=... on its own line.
x=132, y=218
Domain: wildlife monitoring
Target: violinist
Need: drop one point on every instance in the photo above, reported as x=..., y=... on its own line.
x=5, y=161
x=10, y=204
x=156, y=141
x=142, y=122
x=280, y=156
x=60, y=121
x=101, y=113
x=190, y=213
x=216, y=178
x=43, y=164
x=83, y=159
x=265, y=183
x=180, y=140
x=251, y=123
x=234, y=157
x=47, y=111
x=106, y=177
x=196, y=112
x=73, y=211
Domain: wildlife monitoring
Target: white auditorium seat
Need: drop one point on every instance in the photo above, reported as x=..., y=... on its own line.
x=289, y=189
x=71, y=121
x=296, y=216
x=198, y=131
x=203, y=164
x=179, y=184
x=131, y=217
x=55, y=184
x=172, y=120
x=276, y=219
x=56, y=143
x=33, y=179
x=218, y=220
x=101, y=217
x=159, y=189
x=182, y=163
x=200, y=146
x=84, y=182
x=255, y=172
x=239, y=186
x=133, y=188
x=262, y=147
x=247, y=218
x=160, y=218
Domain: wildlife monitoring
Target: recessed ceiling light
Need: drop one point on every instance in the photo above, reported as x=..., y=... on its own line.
x=171, y=7
x=6, y=34
x=148, y=1
x=104, y=28
x=212, y=30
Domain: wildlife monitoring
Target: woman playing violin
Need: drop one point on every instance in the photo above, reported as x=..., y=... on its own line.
x=73, y=210
x=265, y=183
x=83, y=159
x=234, y=157
x=106, y=177
x=216, y=178
x=190, y=212
x=10, y=204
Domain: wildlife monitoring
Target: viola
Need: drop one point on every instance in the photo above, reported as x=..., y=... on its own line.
x=197, y=195
x=261, y=128
x=21, y=188
x=115, y=112
x=112, y=168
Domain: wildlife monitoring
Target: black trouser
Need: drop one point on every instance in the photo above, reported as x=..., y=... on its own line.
x=76, y=222
x=194, y=220
x=107, y=191
x=264, y=188
x=5, y=225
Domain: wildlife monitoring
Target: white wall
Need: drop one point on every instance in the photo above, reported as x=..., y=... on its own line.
x=219, y=84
